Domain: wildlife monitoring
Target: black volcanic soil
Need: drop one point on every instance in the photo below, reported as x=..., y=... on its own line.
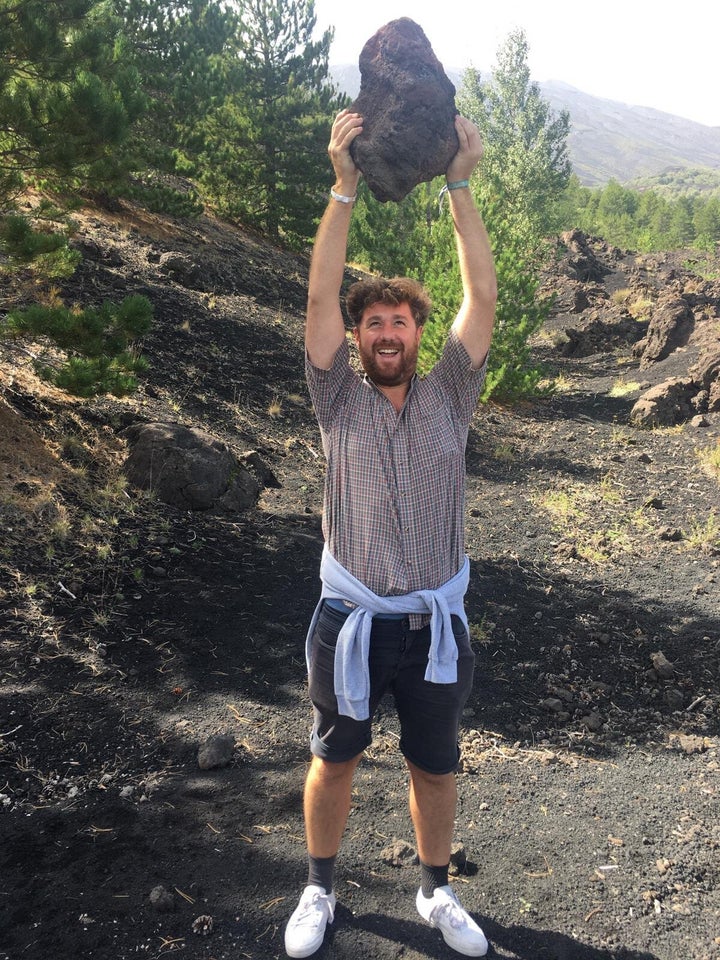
x=132, y=631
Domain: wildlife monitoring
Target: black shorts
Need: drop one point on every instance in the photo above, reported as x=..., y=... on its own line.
x=429, y=713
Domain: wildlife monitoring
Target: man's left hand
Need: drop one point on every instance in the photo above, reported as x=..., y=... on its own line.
x=470, y=150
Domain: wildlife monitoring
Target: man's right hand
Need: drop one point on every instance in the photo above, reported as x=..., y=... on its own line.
x=345, y=128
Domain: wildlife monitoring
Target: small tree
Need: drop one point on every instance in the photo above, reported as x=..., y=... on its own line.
x=524, y=173
x=526, y=158
x=265, y=159
x=46, y=250
x=100, y=343
x=519, y=314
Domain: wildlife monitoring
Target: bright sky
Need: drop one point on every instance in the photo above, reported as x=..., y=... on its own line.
x=634, y=51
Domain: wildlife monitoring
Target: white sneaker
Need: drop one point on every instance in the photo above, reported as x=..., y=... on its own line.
x=459, y=930
x=306, y=927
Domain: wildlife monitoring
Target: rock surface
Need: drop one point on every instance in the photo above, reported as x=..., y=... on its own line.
x=408, y=106
x=187, y=467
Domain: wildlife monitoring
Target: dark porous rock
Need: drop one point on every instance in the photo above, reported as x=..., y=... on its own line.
x=408, y=107
x=399, y=854
x=161, y=899
x=666, y=404
x=188, y=468
x=580, y=260
x=707, y=371
x=216, y=752
x=670, y=327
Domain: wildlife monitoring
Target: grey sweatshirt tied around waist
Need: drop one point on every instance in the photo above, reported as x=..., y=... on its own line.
x=352, y=675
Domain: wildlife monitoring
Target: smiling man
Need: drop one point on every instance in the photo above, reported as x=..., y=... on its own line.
x=394, y=572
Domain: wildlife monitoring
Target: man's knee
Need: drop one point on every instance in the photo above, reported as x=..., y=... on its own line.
x=424, y=777
x=325, y=771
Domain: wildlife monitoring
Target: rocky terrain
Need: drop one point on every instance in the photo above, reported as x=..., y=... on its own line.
x=153, y=713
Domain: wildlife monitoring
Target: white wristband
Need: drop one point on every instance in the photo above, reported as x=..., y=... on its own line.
x=340, y=198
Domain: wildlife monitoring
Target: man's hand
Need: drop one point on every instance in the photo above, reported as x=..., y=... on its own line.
x=470, y=150
x=346, y=127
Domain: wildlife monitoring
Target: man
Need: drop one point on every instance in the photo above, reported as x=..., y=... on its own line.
x=394, y=571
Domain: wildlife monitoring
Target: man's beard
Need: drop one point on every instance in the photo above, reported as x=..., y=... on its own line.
x=401, y=371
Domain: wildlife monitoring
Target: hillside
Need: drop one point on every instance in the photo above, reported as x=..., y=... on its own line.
x=133, y=630
x=609, y=140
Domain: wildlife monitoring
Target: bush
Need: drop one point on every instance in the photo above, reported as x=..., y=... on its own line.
x=46, y=250
x=99, y=341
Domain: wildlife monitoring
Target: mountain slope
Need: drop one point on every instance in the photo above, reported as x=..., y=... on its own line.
x=609, y=140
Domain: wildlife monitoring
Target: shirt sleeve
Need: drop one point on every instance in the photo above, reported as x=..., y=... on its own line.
x=455, y=376
x=328, y=386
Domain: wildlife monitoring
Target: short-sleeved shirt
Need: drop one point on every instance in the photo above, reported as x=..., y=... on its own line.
x=395, y=483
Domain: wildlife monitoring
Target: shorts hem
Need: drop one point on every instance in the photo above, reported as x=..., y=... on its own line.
x=317, y=749
x=426, y=769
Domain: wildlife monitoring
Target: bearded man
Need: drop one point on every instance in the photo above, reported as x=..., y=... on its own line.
x=394, y=571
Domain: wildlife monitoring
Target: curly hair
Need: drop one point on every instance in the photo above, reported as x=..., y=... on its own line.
x=365, y=293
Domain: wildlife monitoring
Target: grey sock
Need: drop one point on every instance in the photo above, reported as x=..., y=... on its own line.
x=320, y=872
x=432, y=877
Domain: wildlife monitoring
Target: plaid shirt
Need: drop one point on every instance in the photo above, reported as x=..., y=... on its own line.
x=395, y=483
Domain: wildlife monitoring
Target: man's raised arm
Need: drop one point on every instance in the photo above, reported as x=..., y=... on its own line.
x=324, y=327
x=476, y=317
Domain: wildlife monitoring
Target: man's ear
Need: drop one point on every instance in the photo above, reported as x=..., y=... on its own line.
x=356, y=335
x=419, y=333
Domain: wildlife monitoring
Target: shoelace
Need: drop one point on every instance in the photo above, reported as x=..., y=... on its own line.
x=314, y=905
x=450, y=909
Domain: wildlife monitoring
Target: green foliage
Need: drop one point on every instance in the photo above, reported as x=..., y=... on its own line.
x=526, y=159
x=525, y=170
x=520, y=313
x=265, y=159
x=645, y=220
x=385, y=237
x=159, y=196
x=46, y=250
x=99, y=341
x=184, y=52
x=681, y=182
x=67, y=95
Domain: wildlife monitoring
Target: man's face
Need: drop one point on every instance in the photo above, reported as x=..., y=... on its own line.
x=387, y=338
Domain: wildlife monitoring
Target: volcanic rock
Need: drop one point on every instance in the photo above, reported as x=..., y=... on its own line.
x=665, y=404
x=408, y=107
x=188, y=468
x=670, y=327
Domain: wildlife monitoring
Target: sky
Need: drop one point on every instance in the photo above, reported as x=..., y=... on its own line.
x=636, y=52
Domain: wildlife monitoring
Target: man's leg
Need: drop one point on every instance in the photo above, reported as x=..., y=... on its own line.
x=327, y=804
x=433, y=800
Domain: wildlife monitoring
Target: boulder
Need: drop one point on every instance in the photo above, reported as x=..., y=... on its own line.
x=666, y=404
x=707, y=372
x=408, y=107
x=580, y=261
x=216, y=752
x=670, y=327
x=188, y=468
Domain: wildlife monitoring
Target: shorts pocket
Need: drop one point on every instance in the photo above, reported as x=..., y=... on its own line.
x=462, y=638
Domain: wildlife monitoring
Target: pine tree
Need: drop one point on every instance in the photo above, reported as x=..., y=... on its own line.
x=183, y=50
x=67, y=96
x=526, y=158
x=524, y=172
x=266, y=161
x=100, y=343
